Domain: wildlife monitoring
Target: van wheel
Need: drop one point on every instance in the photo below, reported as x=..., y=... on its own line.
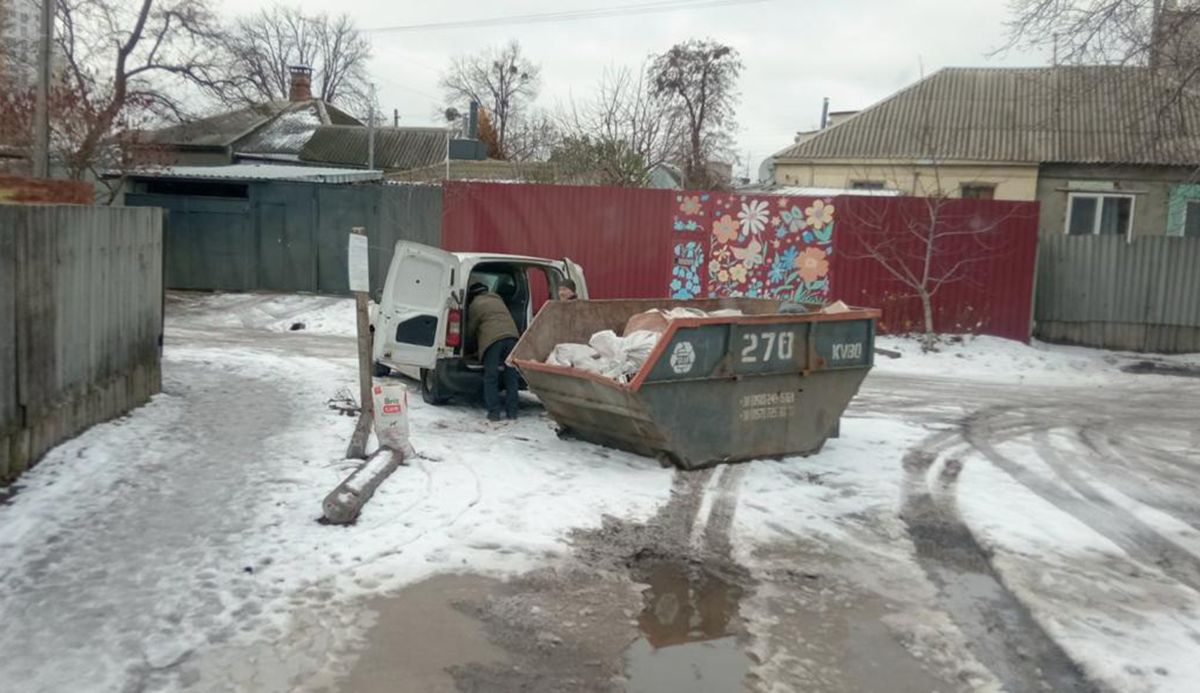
x=431, y=390
x=379, y=370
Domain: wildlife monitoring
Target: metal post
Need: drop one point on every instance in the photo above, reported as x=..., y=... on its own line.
x=371, y=138
x=41, y=137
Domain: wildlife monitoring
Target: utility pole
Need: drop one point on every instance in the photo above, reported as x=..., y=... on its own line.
x=41, y=135
x=371, y=132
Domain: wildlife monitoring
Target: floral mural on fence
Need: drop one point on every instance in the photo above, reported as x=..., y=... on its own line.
x=771, y=247
x=690, y=242
x=763, y=246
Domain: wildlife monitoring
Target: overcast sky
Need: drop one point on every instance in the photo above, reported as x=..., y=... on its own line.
x=795, y=51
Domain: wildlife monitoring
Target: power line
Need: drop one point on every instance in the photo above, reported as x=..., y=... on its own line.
x=569, y=15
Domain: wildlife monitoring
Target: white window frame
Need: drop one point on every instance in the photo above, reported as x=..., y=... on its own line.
x=1187, y=208
x=1099, y=197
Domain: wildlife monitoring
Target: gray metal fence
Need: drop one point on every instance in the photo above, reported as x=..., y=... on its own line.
x=1105, y=292
x=288, y=236
x=81, y=304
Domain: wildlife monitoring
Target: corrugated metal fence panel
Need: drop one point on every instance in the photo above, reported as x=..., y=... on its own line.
x=9, y=409
x=993, y=293
x=621, y=236
x=211, y=242
x=1105, y=291
x=339, y=209
x=86, y=309
x=287, y=224
x=289, y=236
x=406, y=212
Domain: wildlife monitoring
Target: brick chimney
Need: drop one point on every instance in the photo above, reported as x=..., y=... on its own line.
x=301, y=86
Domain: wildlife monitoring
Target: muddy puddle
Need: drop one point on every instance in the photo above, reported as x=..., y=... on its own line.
x=688, y=639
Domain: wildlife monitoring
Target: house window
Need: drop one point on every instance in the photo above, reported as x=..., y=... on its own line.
x=866, y=185
x=1091, y=214
x=978, y=191
x=1191, y=220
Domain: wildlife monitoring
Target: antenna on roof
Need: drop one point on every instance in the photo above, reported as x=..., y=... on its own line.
x=825, y=113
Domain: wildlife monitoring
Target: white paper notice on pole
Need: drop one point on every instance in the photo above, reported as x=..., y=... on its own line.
x=360, y=279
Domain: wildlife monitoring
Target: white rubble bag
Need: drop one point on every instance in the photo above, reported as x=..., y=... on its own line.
x=391, y=415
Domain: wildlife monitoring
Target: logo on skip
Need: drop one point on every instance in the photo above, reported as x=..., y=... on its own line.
x=683, y=358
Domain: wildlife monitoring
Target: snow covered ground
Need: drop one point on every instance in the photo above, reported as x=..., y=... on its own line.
x=177, y=547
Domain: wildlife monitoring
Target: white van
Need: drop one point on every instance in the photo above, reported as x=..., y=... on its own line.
x=420, y=324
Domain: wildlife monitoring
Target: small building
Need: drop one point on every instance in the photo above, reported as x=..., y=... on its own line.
x=275, y=131
x=1105, y=150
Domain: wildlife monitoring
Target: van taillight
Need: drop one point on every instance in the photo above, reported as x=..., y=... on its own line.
x=454, y=327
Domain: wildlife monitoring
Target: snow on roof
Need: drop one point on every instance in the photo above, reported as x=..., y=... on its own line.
x=801, y=191
x=309, y=174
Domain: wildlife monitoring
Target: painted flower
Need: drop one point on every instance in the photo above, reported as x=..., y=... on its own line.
x=819, y=215
x=775, y=220
x=690, y=205
x=725, y=229
x=753, y=216
x=783, y=202
x=723, y=276
x=812, y=264
x=713, y=266
x=738, y=272
x=782, y=265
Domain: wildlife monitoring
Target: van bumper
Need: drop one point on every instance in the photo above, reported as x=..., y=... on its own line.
x=456, y=377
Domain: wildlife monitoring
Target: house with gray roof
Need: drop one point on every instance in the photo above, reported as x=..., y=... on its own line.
x=274, y=131
x=1103, y=149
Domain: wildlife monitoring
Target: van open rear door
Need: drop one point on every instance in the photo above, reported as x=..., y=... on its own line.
x=412, y=312
x=575, y=274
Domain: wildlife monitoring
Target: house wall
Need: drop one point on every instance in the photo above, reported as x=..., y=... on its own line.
x=1018, y=182
x=1157, y=190
x=81, y=301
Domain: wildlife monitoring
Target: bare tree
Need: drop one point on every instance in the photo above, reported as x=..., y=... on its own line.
x=621, y=134
x=700, y=76
x=126, y=66
x=263, y=46
x=505, y=82
x=925, y=244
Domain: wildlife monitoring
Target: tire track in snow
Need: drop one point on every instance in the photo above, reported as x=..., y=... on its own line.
x=1003, y=635
x=1140, y=541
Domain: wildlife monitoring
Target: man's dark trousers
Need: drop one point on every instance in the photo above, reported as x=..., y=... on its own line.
x=493, y=358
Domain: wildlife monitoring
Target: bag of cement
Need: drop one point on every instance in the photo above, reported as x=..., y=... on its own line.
x=835, y=307
x=788, y=307
x=391, y=415
x=571, y=354
x=653, y=320
x=638, y=346
x=725, y=313
x=676, y=313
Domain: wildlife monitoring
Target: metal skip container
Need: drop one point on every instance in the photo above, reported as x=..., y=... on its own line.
x=714, y=389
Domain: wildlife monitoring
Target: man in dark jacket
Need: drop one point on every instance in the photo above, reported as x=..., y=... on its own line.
x=495, y=333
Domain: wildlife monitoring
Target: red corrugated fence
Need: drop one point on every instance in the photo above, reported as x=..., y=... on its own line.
x=639, y=243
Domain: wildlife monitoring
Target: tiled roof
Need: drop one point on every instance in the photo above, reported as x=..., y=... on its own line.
x=1099, y=114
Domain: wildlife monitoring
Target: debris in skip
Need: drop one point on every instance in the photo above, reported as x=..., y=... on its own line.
x=620, y=357
x=699, y=382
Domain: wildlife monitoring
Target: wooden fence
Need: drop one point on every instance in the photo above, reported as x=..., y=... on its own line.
x=81, y=296
x=1103, y=291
